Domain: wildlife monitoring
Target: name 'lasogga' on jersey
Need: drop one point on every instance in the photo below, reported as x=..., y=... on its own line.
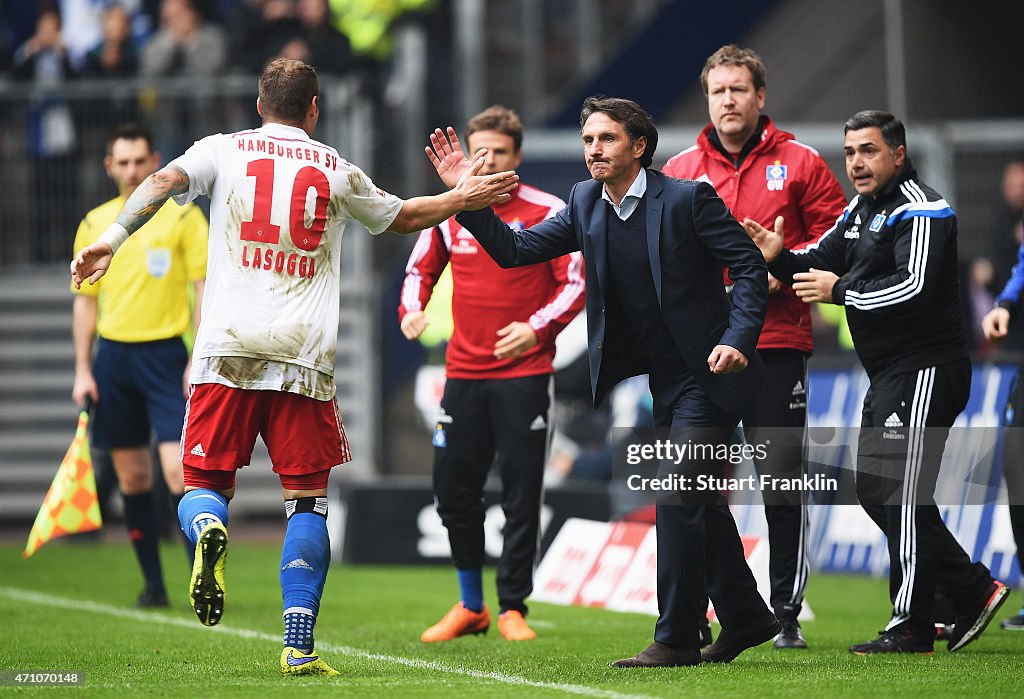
x=279, y=202
x=896, y=255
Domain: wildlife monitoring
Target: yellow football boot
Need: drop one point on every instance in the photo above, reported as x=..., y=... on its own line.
x=206, y=588
x=295, y=662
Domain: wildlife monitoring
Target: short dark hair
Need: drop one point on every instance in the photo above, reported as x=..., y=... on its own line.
x=287, y=87
x=893, y=132
x=500, y=119
x=634, y=119
x=733, y=55
x=130, y=132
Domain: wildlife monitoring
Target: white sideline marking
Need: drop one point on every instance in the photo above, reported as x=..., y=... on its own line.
x=155, y=617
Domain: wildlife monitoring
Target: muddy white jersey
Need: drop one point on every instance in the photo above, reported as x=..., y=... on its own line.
x=279, y=202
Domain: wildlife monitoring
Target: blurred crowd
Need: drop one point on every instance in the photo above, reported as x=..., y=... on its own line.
x=51, y=40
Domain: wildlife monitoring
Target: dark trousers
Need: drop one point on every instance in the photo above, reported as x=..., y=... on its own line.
x=1013, y=461
x=700, y=553
x=905, y=422
x=778, y=418
x=504, y=422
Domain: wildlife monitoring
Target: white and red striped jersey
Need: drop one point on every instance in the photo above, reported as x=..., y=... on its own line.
x=486, y=297
x=279, y=202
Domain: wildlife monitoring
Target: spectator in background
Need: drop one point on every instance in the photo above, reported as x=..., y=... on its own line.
x=184, y=44
x=43, y=59
x=267, y=27
x=328, y=49
x=1007, y=234
x=367, y=23
x=1008, y=229
x=979, y=302
x=288, y=29
x=115, y=56
x=245, y=18
x=88, y=17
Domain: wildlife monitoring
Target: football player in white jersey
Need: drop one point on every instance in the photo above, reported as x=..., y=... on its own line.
x=264, y=356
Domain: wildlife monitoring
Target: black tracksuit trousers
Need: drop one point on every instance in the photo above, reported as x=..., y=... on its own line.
x=905, y=423
x=505, y=423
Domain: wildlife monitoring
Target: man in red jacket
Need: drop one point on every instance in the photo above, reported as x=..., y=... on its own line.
x=497, y=393
x=763, y=174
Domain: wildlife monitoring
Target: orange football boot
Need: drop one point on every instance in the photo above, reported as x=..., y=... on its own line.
x=459, y=621
x=513, y=627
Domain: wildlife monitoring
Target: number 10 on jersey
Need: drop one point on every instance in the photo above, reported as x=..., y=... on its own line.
x=305, y=230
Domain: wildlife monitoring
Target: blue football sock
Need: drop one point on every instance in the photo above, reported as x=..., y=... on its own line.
x=190, y=548
x=471, y=584
x=305, y=557
x=198, y=508
x=298, y=629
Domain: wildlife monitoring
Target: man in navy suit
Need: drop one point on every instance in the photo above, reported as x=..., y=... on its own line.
x=655, y=248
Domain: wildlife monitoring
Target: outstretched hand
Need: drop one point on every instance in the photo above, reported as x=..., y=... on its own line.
x=91, y=263
x=478, y=191
x=770, y=243
x=446, y=155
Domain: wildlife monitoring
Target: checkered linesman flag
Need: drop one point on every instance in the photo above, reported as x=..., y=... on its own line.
x=71, y=504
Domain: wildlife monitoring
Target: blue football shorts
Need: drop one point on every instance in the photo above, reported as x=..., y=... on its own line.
x=140, y=390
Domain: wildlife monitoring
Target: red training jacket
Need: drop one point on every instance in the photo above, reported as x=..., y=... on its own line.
x=486, y=297
x=779, y=177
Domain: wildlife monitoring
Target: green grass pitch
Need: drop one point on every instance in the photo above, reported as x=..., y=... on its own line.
x=70, y=608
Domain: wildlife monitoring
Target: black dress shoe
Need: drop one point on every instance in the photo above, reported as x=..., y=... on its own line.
x=661, y=655
x=791, y=636
x=732, y=642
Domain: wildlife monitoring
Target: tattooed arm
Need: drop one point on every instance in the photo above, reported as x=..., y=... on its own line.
x=94, y=260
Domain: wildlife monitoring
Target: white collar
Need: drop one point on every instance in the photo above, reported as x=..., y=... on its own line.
x=631, y=199
x=284, y=130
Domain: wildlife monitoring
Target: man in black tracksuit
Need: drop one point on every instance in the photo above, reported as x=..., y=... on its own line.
x=894, y=249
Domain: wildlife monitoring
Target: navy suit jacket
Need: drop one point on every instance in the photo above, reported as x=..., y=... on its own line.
x=690, y=237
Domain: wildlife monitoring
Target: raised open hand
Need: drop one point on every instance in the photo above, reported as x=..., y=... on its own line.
x=770, y=243
x=446, y=155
